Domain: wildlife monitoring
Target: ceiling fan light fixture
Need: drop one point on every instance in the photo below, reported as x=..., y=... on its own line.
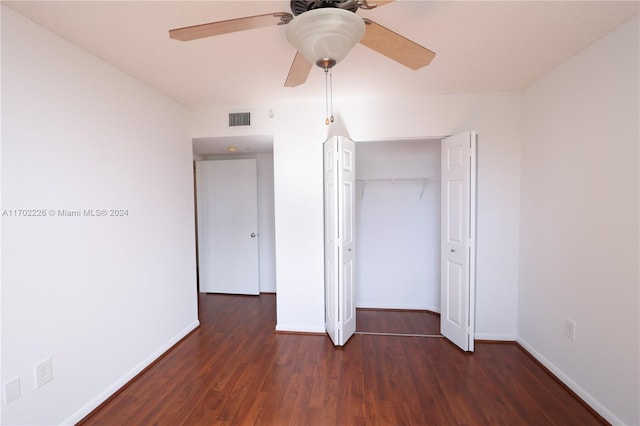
x=325, y=36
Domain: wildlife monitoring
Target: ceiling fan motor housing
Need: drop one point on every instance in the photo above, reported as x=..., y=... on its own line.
x=300, y=6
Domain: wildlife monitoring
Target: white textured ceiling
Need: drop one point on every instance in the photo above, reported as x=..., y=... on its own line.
x=481, y=46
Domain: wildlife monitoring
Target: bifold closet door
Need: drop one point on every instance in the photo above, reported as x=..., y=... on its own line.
x=458, y=168
x=339, y=241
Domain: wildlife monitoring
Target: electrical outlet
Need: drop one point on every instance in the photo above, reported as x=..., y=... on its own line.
x=569, y=329
x=43, y=372
x=11, y=390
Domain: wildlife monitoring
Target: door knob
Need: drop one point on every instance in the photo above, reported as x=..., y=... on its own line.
x=453, y=250
x=253, y=235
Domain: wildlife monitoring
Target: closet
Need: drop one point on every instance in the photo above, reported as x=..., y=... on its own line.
x=413, y=215
x=398, y=224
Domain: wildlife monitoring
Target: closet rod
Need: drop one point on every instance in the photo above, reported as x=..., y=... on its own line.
x=393, y=180
x=422, y=181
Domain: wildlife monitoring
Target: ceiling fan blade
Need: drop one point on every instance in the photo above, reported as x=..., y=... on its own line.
x=396, y=47
x=229, y=26
x=298, y=72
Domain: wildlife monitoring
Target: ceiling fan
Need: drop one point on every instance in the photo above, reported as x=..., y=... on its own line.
x=323, y=32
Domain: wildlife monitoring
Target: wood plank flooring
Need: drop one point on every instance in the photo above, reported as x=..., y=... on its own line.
x=397, y=322
x=234, y=370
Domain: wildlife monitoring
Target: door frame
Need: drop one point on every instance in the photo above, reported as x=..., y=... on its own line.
x=472, y=229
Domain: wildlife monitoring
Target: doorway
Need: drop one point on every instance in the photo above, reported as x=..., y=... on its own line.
x=259, y=148
x=457, y=237
x=398, y=237
x=227, y=214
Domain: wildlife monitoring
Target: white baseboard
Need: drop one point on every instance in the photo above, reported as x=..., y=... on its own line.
x=299, y=329
x=103, y=396
x=496, y=337
x=586, y=396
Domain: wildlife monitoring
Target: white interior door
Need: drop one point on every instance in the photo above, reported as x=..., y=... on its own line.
x=458, y=239
x=228, y=226
x=339, y=202
x=330, y=236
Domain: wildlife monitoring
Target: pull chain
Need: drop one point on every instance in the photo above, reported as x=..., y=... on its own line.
x=328, y=95
x=331, y=94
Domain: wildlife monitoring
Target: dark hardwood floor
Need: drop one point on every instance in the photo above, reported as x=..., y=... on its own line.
x=390, y=321
x=234, y=370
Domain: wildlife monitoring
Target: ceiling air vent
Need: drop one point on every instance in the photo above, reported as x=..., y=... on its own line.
x=239, y=119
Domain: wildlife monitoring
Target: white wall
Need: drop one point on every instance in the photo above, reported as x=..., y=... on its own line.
x=299, y=131
x=297, y=157
x=101, y=296
x=266, y=220
x=579, y=224
x=398, y=225
x=266, y=223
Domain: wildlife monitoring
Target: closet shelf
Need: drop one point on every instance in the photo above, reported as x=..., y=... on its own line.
x=422, y=181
